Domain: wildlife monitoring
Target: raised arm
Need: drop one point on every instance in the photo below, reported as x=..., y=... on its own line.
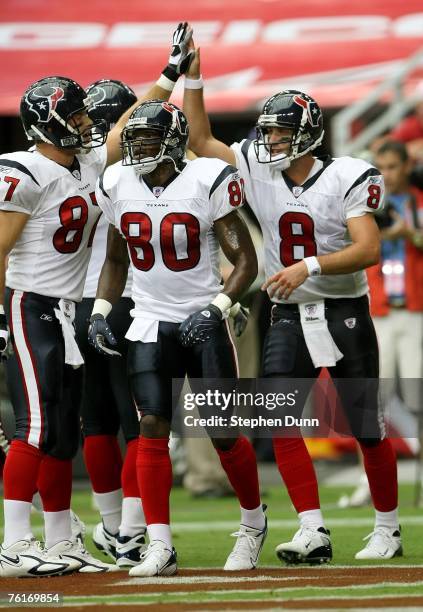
x=180, y=57
x=201, y=139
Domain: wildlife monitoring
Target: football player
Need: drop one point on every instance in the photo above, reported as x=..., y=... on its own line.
x=316, y=215
x=171, y=214
x=48, y=214
x=106, y=403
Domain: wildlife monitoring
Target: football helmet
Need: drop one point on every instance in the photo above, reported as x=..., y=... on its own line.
x=47, y=108
x=294, y=110
x=109, y=99
x=165, y=140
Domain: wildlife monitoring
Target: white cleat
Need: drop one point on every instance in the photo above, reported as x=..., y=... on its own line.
x=87, y=564
x=359, y=498
x=384, y=543
x=28, y=559
x=129, y=549
x=246, y=551
x=157, y=560
x=312, y=546
x=61, y=548
x=105, y=541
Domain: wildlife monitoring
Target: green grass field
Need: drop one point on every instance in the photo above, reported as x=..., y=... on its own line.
x=202, y=527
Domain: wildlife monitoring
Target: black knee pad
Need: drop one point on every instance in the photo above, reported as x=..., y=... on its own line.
x=369, y=442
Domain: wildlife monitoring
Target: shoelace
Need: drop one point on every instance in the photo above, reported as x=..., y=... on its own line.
x=244, y=540
x=385, y=536
x=151, y=547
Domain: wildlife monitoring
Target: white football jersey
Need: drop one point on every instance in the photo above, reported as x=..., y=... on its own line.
x=311, y=219
x=173, y=249
x=98, y=255
x=51, y=255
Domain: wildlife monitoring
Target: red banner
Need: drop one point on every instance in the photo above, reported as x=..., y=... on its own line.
x=335, y=51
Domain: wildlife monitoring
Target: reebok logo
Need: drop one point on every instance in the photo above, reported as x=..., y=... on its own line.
x=46, y=317
x=206, y=313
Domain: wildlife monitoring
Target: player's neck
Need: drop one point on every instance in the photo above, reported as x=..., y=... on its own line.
x=60, y=156
x=160, y=176
x=300, y=168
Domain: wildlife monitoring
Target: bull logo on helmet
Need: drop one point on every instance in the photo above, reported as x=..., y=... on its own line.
x=43, y=104
x=311, y=108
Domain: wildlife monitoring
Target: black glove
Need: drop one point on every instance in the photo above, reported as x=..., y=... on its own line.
x=200, y=325
x=98, y=332
x=180, y=58
x=241, y=320
x=4, y=337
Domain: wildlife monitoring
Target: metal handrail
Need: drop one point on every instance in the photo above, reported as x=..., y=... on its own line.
x=342, y=141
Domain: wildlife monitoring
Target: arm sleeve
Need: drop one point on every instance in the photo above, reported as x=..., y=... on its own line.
x=104, y=201
x=365, y=195
x=227, y=193
x=241, y=150
x=19, y=189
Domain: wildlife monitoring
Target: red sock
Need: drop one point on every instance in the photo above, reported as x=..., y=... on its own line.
x=240, y=466
x=297, y=471
x=381, y=468
x=129, y=470
x=154, y=473
x=20, y=471
x=103, y=461
x=55, y=483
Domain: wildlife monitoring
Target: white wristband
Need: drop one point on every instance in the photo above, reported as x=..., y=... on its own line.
x=1, y=309
x=194, y=83
x=165, y=83
x=102, y=307
x=313, y=266
x=223, y=302
x=235, y=309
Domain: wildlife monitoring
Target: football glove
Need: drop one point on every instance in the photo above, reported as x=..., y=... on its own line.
x=180, y=58
x=200, y=325
x=98, y=333
x=4, y=337
x=240, y=319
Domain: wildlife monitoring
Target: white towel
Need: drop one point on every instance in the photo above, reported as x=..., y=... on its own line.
x=66, y=315
x=321, y=346
x=144, y=330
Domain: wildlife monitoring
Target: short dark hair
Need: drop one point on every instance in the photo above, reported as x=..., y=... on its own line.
x=394, y=146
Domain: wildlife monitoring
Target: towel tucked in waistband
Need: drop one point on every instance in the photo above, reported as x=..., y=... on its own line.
x=321, y=346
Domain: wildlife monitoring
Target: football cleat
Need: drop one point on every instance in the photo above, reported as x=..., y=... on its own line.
x=157, y=560
x=384, y=543
x=129, y=549
x=104, y=541
x=247, y=549
x=87, y=563
x=312, y=546
x=28, y=559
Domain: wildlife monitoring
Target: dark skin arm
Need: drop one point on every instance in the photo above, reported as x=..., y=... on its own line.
x=114, y=272
x=235, y=240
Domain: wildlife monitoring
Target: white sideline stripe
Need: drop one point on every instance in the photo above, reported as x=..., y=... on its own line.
x=209, y=580
x=281, y=524
x=30, y=378
x=216, y=580
x=114, y=600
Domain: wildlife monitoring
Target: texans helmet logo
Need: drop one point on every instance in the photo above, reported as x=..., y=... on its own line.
x=42, y=104
x=97, y=95
x=311, y=108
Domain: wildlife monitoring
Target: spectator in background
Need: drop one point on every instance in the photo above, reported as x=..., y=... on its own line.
x=410, y=130
x=396, y=287
x=396, y=283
